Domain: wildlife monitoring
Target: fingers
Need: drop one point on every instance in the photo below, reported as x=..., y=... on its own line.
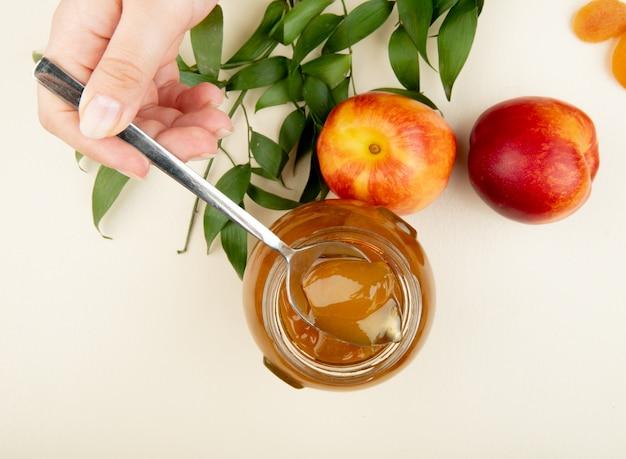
x=188, y=99
x=187, y=142
x=210, y=119
x=111, y=152
x=133, y=53
x=123, y=76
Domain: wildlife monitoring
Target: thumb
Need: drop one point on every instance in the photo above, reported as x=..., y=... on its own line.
x=116, y=88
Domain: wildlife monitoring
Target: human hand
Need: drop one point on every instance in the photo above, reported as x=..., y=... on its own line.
x=126, y=52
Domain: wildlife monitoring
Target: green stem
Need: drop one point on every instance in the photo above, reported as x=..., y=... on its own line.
x=228, y=155
x=245, y=114
x=196, y=206
x=345, y=13
x=194, y=212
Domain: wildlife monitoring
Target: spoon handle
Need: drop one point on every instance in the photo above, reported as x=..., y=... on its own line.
x=63, y=85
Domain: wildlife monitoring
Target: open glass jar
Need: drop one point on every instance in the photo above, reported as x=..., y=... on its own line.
x=302, y=355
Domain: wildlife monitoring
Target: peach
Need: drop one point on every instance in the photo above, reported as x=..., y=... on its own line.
x=600, y=20
x=618, y=62
x=386, y=150
x=533, y=159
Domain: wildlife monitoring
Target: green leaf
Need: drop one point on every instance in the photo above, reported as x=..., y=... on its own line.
x=318, y=30
x=307, y=140
x=358, y=24
x=291, y=130
x=106, y=189
x=262, y=73
x=324, y=189
x=297, y=19
x=260, y=41
x=270, y=156
x=318, y=97
x=415, y=16
x=193, y=79
x=289, y=89
x=441, y=6
x=262, y=173
x=455, y=40
x=270, y=200
x=233, y=184
x=235, y=244
x=330, y=68
x=313, y=185
x=404, y=59
x=206, y=41
x=78, y=156
x=340, y=92
x=182, y=65
x=295, y=80
x=415, y=95
x=36, y=56
x=277, y=94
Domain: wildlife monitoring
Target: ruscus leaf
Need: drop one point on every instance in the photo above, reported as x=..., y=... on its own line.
x=313, y=185
x=415, y=16
x=106, y=189
x=233, y=184
x=36, y=56
x=277, y=94
x=260, y=41
x=295, y=80
x=415, y=95
x=206, y=41
x=297, y=19
x=291, y=130
x=441, y=6
x=270, y=156
x=193, y=79
x=270, y=200
x=262, y=173
x=340, y=92
x=182, y=65
x=455, y=40
x=235, y=243
x=318, y=97
x=262, y=73
x=358, y=24
x=404, y=59
x=78, y=156
x=307, y=140
x=330, y=68
x=318, y=30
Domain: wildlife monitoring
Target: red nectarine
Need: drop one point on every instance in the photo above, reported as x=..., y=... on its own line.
x=533, y=159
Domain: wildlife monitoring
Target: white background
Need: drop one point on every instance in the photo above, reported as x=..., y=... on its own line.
x=124, y=349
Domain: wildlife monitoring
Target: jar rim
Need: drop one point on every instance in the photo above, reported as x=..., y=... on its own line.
x=372, y=367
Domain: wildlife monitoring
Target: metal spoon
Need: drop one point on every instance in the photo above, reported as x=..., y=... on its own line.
x=63, y=85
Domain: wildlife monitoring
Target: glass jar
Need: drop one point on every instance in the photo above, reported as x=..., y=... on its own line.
x=302, y=355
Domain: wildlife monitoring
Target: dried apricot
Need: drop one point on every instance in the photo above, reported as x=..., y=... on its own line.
x=600, y=20
x=619, y=61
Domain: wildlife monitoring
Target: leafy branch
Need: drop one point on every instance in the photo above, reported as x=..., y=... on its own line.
x=314, y=79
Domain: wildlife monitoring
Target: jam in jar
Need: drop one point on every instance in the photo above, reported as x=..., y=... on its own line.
x=299, y=353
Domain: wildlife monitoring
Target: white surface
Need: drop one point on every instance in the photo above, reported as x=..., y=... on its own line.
x=124, y=349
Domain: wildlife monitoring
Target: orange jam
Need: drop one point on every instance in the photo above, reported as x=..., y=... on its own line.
x=357, y=299
x=354, y=300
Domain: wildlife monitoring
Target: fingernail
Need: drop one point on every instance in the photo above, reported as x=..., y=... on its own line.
x=100, y=117
x=223, y=132
x=206, y=155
